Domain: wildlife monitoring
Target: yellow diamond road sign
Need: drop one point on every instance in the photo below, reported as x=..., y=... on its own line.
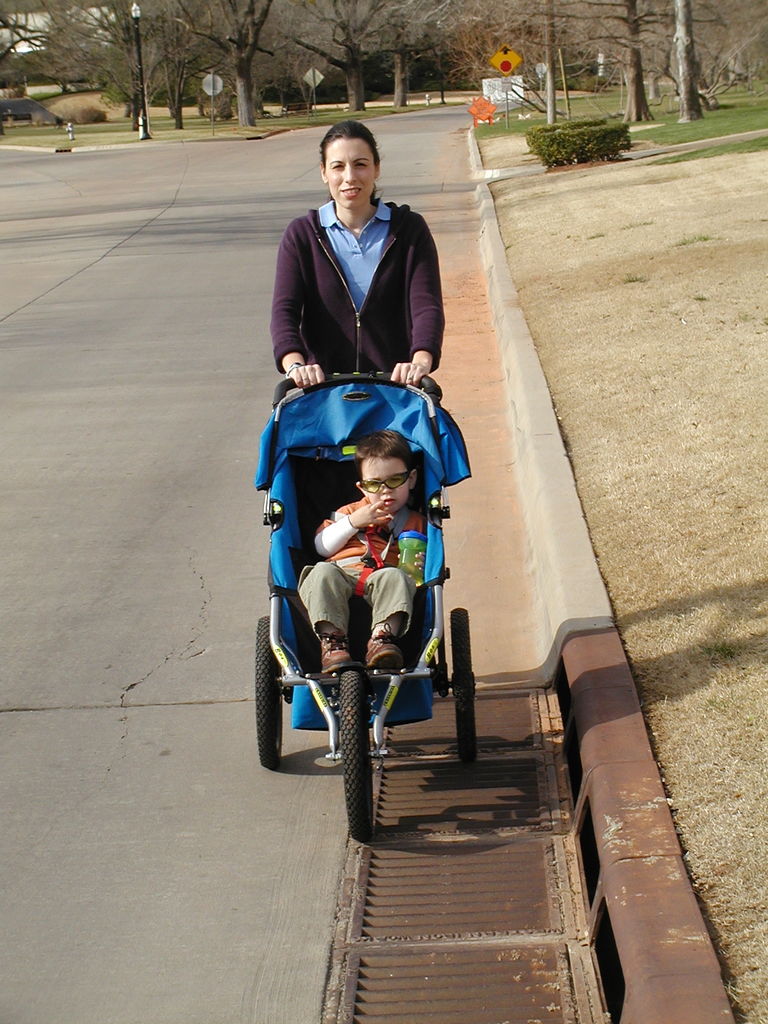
x=506, y=60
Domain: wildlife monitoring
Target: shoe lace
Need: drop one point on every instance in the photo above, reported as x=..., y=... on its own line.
x=334, y=642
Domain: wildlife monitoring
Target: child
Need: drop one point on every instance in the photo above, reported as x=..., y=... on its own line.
x=359, y=543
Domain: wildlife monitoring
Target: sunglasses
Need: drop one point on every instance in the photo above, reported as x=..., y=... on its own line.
x=391, y=483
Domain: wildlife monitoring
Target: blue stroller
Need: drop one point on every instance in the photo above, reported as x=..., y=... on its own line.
x=306, y=468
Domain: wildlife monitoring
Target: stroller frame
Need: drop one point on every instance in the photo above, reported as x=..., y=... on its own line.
x=355, y=698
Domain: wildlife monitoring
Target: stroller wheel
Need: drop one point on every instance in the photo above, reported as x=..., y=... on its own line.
x=269, y=719
x=354, y=714
x=463, y=685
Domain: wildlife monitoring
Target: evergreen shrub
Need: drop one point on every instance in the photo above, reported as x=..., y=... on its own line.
x=578, y=142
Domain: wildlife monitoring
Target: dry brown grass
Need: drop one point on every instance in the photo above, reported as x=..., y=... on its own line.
x=83, y=108
x=646, y=291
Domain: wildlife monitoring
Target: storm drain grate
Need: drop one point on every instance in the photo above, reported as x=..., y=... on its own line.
x=502, y=985
x=459, y=910
x=504, y=722
x=431, y=889
x=448, y=796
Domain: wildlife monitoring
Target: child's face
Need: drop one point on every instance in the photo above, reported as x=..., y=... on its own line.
x=389, y=498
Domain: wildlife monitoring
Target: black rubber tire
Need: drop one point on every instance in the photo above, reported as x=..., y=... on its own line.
x=354, y=713
x=463, y=685
x=269, y=712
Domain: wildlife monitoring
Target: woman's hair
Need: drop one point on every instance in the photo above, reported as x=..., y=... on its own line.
x=383, y=444
x=349, y=130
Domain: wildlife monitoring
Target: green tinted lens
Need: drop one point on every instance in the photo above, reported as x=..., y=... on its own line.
x=391, y=483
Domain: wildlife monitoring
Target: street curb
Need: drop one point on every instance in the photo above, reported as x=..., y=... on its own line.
x=649, y=940
x=571, y=591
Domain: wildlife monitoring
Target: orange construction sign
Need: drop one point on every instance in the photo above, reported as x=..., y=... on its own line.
x=506, y=60
x=482, y=109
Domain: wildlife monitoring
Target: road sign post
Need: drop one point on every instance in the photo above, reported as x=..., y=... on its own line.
x=506, y=60
x=313, y=78
x=212, y=86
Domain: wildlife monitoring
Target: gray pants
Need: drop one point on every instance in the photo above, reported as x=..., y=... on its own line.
x=326, y=588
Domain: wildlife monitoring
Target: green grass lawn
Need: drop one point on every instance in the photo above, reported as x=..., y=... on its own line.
x=740, y=112
x=751, y=146
x=118, y=132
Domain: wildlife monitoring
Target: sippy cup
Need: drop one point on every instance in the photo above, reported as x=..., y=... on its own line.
x=413, y=546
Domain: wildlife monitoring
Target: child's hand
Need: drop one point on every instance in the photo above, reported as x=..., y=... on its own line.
x=370, y=514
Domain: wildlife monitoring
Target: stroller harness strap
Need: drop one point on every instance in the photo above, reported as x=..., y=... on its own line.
x=373, y=556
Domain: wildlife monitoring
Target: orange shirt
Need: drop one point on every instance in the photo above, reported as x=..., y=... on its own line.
x=352, y=553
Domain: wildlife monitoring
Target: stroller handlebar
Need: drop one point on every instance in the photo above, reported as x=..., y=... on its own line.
x=428, y=384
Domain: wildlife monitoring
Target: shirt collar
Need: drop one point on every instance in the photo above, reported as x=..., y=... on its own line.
x=328, y=218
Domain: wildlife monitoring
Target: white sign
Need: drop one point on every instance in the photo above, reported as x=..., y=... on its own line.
x=212, y=85
x=541, y=70
x=505, y=91
x=314, y=77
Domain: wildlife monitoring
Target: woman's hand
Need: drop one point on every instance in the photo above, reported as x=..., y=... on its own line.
x=304, y=375
x=410, y=373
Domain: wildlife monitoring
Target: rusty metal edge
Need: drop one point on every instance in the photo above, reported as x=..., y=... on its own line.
x=670, y=968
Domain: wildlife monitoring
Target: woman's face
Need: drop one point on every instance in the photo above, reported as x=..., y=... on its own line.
x=350, y=174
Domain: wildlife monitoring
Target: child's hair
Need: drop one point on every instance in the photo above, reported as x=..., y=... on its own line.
x=383, y=444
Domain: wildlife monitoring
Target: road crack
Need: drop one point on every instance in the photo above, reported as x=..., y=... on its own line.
x=191, y=649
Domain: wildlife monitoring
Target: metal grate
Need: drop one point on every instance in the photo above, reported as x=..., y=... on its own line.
x=475, y=887
x=504, y=722
x=458, y=912
x=461, y=985
x=451, y=797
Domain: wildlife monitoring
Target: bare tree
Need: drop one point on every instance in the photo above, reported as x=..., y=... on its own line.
x=286, y=70
x=182, y=54
x=623, y=27
x=412, y=27
x=342, y=32
x=70, y=54
x=478, y=30
x=234, y=27
x=731, y=45
x=688, y=66
x=18, y=28
x=100, y=39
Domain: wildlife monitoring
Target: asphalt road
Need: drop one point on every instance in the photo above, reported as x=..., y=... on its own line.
x=152, y=873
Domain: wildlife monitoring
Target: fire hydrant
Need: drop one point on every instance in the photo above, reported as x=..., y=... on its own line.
x=70, y=131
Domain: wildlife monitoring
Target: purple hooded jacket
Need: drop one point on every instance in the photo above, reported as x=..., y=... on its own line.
x=313, y=312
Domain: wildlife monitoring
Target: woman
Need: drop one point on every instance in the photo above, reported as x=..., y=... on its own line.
x=357, y=285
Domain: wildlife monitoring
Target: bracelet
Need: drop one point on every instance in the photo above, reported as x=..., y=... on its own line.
x=292, y=367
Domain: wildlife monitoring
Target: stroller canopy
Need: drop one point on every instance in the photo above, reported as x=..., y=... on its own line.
x=323, y=421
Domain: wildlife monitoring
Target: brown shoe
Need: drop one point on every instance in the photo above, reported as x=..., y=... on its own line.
x=334, y=651
x=383, y=652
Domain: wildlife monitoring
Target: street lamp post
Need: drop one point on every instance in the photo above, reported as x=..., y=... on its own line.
x=143, y=124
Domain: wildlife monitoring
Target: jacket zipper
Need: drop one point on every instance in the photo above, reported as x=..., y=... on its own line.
x=357, y=312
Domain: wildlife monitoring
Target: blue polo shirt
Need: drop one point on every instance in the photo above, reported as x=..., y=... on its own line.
x=358, y=257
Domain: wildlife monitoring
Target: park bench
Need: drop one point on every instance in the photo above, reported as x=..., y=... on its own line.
x=295, y=108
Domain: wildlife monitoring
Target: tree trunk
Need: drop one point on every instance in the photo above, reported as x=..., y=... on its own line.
x=690, y=104
x=174, y=81
x=637, y=108
x=244, y=90
x=401, y=78
x=549, y=60
x=355, y=84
